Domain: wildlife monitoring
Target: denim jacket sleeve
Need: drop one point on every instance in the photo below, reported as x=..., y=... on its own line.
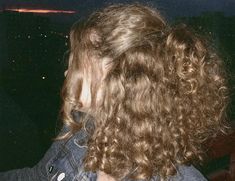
x=38, y=172
x=62, y=161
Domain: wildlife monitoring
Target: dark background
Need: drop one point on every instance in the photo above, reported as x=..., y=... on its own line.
x=32, y=47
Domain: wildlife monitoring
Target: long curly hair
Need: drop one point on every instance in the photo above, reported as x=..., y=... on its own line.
x=164, y=92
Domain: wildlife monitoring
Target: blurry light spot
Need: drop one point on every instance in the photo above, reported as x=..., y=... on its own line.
x=29, y=36
x=23, y=10
x=43, y=77
x=61, y=177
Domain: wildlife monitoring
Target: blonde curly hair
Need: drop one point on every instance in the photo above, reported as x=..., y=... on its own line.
x=163, y=95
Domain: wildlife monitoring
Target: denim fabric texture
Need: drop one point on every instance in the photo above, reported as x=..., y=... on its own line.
x=64, y=162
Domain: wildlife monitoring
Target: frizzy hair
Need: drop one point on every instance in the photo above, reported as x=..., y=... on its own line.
x=164, y=94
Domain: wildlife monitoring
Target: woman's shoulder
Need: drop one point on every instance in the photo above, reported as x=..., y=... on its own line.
x=188, y=173
x=64, y=159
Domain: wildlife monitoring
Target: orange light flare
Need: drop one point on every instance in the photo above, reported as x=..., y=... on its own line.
x=43, y=11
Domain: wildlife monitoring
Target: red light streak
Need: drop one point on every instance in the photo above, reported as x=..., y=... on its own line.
x=44, y=11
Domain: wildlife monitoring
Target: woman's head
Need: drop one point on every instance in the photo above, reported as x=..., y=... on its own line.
x=156, y=92
x=96, y=43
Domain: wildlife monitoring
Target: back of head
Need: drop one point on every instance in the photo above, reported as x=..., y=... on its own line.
x=163, y=92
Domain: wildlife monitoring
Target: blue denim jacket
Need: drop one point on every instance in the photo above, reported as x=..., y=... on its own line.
x=64, y=162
